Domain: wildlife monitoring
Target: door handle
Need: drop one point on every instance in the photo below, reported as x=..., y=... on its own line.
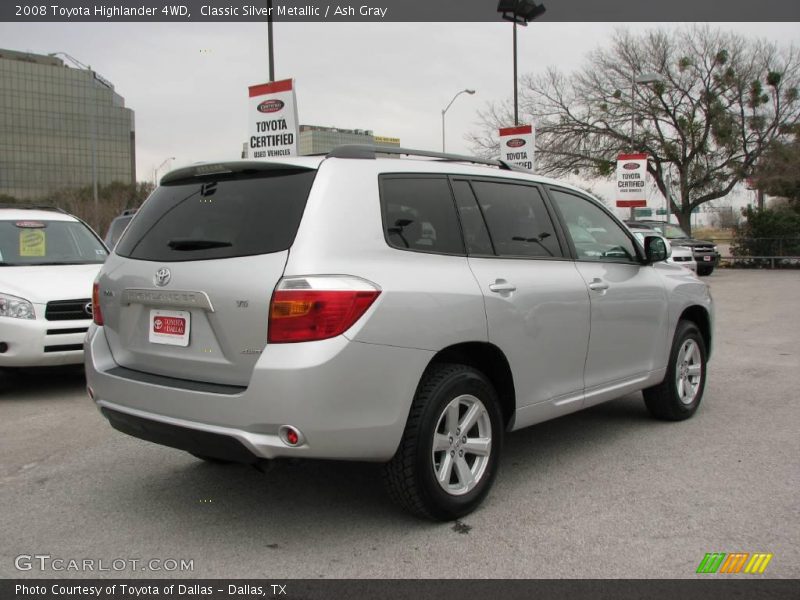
x=501, y=285
x=598, y=285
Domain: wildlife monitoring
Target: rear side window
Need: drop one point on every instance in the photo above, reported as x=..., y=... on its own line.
x=517, y=219
x=219, y=218
x=419, y=214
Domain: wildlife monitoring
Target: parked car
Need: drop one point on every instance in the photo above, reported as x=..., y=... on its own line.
x=705, y=252
x=117, y=227
x=679, y=255
x=409, y=311
x=48, y=262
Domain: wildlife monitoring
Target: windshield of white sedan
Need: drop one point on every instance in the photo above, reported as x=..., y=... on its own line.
x=41, y=242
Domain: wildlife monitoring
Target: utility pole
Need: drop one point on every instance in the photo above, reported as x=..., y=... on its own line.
x=270, y=51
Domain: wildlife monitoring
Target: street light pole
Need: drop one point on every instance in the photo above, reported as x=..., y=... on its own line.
x=516, y=103
x=643, y=78
x=518, y=12
x=633, y=108
x=444, y=111
x=158, y=168
x=269, y=42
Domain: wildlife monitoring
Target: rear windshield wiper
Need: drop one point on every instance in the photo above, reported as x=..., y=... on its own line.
x=190, y=244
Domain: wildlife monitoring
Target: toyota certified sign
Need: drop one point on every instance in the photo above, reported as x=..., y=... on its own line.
x=631, y=180
x=273, y=120
x=517, y=146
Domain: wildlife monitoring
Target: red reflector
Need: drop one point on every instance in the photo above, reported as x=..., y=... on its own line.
x=97, y=314
x=307, y=315
x=291, y=437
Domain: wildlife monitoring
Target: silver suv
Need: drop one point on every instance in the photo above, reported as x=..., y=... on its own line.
x=410, y=311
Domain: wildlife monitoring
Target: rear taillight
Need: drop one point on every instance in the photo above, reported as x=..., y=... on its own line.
x=304, y=309
x=97, y=314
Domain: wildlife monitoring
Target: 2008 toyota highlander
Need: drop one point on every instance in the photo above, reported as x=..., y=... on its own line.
x=409, y=308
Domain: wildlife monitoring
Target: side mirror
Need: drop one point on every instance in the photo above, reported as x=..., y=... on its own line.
x=656, y=248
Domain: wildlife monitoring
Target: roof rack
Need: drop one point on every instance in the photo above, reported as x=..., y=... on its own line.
x=32, y=207
x=368, y=151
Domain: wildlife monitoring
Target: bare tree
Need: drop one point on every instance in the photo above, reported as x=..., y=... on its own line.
x=721, y=99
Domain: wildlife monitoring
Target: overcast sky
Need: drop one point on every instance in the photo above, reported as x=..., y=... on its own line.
x=187, y=82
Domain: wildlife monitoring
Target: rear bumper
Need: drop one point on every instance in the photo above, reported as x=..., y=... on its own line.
x=349, y=400
x=215, y=444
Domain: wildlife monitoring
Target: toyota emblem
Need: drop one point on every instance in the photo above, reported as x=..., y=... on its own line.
x=88, y=308
x=162, y=277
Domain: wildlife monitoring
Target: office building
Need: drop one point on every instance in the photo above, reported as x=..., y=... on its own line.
x=319, y=140
x=60, y=127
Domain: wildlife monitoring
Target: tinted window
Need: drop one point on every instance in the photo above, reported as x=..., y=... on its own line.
x=595, y=235
x=517, y=219
x=118, y=225
x=419, y=214
x=476, y=236
x=39, y=242
x=224, y=218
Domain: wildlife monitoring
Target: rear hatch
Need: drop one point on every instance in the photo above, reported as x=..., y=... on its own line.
x=186, y=293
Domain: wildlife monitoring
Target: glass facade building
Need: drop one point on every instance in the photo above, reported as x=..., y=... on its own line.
x=60, y=127
x=320, y=140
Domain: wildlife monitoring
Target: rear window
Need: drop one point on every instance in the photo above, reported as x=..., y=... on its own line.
x=227, y=217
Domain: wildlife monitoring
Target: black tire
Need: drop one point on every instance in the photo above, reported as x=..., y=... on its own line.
x=664, y=401
x=704, y=271
x=410, y=477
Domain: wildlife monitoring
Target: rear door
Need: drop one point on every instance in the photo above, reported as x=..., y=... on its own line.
x=187, y=292
x=536, y=302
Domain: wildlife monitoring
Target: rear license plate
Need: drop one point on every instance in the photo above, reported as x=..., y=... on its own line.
x=169, y=327
x=708, y=258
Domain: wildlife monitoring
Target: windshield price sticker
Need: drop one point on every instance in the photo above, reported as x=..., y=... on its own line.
x=32, y=242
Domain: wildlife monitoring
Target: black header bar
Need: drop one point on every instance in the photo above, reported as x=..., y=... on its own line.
x=376, y=11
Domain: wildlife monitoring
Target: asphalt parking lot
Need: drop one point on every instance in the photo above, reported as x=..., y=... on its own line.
x=607, y=492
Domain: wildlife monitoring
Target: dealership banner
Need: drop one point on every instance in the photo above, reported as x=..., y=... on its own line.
x=631, y=180
x=516, y=145
x=273, y=120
